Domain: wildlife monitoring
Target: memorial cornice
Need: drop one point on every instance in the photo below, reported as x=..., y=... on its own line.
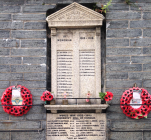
x=75, y=16
x=97, y=107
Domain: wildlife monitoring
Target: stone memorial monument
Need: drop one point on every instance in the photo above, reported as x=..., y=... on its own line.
x=76, y=70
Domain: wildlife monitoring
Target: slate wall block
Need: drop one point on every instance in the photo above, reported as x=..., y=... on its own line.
x=5, y=68
x=4, y=52
x=10, y=9
x=11, y=76
x=34, y=43
x=140, y=24
x=117, y=7
x=141, y=42
x=123, y=15
x=10, y=60
x=28, y=17
x=5, y=136
x=146, y=67
x=4, y=84
x=124, y=51
x=9, y=43
x=20, y=125
x=122, y=84
x=5, y=17
x=139, y=75
x=4, y=34
x=28, y=68
x=117, y=42
x=36, y=116
x=130, y=125
x=28, y=34
x=30, y=84
x=146, y=15
x=34, y=76
x=147, y=32
x=116, y=33
x=34, y=25
x=37, y=8
x=27, y=135
x=141, y=59
x=123, y=67
x=125, y=136
x=117, y=59
x=115, y=75
x=28, y=52
x=35, y=60
x=11, y=25
x=118, y=24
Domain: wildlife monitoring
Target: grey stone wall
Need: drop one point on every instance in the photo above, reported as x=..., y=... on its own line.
x=23, y=43
x=23, y=48
x=127, y=62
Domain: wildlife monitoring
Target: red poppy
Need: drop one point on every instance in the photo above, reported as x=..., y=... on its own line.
x=124, y=94
x=130, y=94
x=134, y=115
x=144, y=113
x=131, y=90
x=138, y=112
x=122, y=101
x=146, y=98
x=46, y=96
x=127, y=100
x=128, y=114
x=145, y=108
x=108, y=96
x=144, y=95
x=126, y=109
x=132, y=109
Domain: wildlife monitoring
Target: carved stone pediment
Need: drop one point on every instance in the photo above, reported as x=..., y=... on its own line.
x=75, y=15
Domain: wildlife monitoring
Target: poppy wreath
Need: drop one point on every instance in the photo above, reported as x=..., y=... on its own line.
x=19, y=110
x=46, y=96
x=135, y=113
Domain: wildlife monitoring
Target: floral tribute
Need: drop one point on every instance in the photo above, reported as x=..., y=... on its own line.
x=46, y=96
x=18, y=110
x=135, y=113
x=107, y=96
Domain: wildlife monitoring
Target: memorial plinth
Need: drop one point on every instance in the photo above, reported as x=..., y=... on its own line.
x=76, y=73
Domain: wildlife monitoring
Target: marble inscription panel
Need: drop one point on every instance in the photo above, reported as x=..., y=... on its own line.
x=64, y=73
x=87, y=63
x=76, y=63
x=87, y=72
x=79, y=126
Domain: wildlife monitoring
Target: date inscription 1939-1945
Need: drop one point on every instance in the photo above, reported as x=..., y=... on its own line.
x=86, y=38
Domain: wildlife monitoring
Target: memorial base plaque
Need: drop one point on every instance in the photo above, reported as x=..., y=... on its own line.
x=79, y=126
